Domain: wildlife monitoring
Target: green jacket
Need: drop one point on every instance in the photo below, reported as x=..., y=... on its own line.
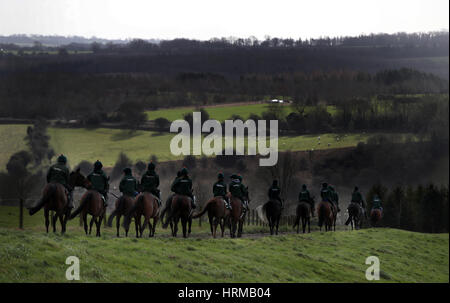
x=58, y=173
x=182, y=186
x=304, y=196
x=219, y=189
x=128, y=185
x=150, y=181
x=274, y=192
x=376, y=203
x=357, y=197
x=237, y=189
x=325, y=194
x=99, y=181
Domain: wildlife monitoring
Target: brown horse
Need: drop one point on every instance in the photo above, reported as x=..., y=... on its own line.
x=145, y=205
x=217, y=214
x=91, y=203
x=355, y=215
x=271, y=212
x=303, y=212
x=236, y=217
x=123, y=206
x=327, y=216
x=375, y=216
x=180, y=209
x=54, y=198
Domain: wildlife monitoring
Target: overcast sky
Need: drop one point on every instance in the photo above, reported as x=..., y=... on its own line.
x=204, y=19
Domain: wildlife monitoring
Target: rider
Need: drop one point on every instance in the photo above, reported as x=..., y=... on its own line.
x=183, y=186
x=377, y=203
x=274, y=192
x=326, y=194
x=99, y=181
x=304, y=196
x=238, y=190
x=150, y=182
x=57, y=173
x=220, y=190
x=128, y=184
x=358, y=199
x=334, y=197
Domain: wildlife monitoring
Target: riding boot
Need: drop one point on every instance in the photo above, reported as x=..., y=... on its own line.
x=227, y=203
x=193, y=204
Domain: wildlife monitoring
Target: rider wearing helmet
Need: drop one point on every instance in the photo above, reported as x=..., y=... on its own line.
x=334, y=197
x=150, y=182
x=128, y=184
x=57, y=173
x=274, y=192
x=238, y=190
x=358, y=199
x=99, y=181
x=220, y=190
x=183, y=186
x=377, y=203
x=304, y=196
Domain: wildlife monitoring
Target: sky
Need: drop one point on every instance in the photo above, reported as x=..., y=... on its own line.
x=205, y=19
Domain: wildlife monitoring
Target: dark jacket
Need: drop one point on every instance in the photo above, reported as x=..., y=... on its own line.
x=128, y=185
x=150, y=181
x=58, y=173
x=219, y=189
x=99, y=181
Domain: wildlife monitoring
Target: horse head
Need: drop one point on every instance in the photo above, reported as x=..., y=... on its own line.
x=76, y=178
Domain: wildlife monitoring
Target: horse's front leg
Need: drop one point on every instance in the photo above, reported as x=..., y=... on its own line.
x=189, y=225
x=90, y=224
x=47, y=221
x=137, y=225
x=54, y=219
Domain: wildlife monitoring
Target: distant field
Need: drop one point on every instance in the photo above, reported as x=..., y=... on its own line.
x=31, y=255
x=106, y=144
x=221, y=113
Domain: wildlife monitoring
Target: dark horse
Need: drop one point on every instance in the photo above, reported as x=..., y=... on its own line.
x=237, y=216
x=355, y=215
x=180, y=209
x=375, y=216
x=123, y=206
x=272, y=211
x=54, y=198
x=303, y=212
x=217, y=214
x=327, y=215
x=145, y=205
x=91, y=203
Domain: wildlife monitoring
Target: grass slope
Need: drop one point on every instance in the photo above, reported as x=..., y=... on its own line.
x=30, y=255
x=106, y=144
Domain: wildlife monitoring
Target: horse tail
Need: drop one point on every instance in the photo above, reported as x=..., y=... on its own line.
x=131, y=211
x=261, y=211
x=111, y=217
x=81, y=206
x=48, y=195
x=321, y=214
x=205, y=209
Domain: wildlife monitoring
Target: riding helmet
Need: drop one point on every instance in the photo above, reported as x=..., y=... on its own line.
x=184, y=171
x=98, y=165
x=127, y=170
x=62, y=159
x=151, y=166
x=220, y=176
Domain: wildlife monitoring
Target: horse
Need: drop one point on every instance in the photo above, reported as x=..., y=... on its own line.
x=355, y=215
x=303, y=212
x=326, y=215
x=91, y=203
x=54, y=198
x=237, y=216
x=146, y=204
x=375, y=216
x=271, y=212
x=180, y=209
x=123, y=206
x=217, y=214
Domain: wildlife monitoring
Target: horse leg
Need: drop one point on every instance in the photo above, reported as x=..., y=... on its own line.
x=210, y=219
x=278, y=224
x=54, y=219
x=155, y=221
x=214, y=227
x=175, y=227
x=304, y=224
x=150, y=227
x=47, y=221
x=222, y=227
x=144, y=225
x=189, y=225
x=85, y=223
x=61, y=220
x=184, y=226
x=99, y=224
x=91, y=223
x=240, y=228
x=137, y=225
x=309, y=225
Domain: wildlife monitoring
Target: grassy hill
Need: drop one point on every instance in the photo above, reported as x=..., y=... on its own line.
x=30, y=255
x=106, y=144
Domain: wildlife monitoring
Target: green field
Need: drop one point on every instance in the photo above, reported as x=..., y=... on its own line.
x=221, y=113
x=31, y=255
x=106, y=144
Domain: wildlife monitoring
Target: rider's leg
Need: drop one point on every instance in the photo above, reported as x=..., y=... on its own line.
x=227, y=202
